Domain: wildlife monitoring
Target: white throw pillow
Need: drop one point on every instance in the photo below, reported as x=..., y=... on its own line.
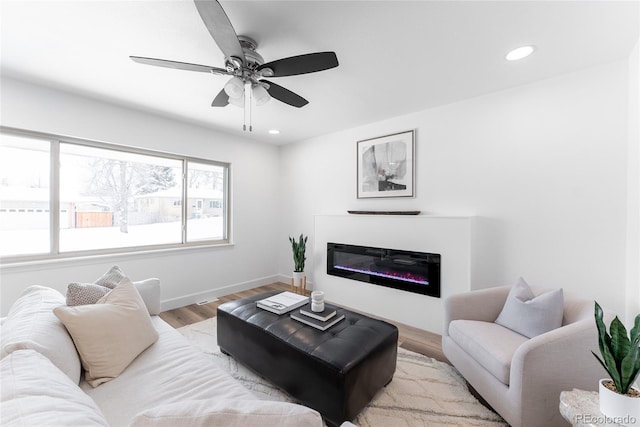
x=149, y=290
x=110, y=334
x=531, y=315
x=90, y=293
x=111, y=278
x=36, y=393
x=31, y=324
x=85, y=293
x=229, y=413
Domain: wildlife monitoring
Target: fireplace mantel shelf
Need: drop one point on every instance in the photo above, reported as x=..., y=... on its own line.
x=384, y=212
x=421, y=215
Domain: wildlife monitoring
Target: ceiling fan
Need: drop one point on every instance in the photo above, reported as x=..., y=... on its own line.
x=246, y=65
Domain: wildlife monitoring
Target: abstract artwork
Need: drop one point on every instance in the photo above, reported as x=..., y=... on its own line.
x=385, y=166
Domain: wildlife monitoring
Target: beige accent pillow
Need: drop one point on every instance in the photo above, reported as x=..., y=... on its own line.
x=110, y=334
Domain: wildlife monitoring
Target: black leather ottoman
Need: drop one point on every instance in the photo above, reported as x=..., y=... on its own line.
x=336, y=372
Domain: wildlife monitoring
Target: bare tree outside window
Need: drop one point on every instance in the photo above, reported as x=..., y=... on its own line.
x=117, y=182
x=119, y=198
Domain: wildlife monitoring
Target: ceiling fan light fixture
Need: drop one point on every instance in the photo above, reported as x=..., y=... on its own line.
x=520, y=53
x=237, y=102
x=234, y=88
x=260, y=94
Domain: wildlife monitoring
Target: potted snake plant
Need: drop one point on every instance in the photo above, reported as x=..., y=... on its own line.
x=619, y=399
x=298, y=247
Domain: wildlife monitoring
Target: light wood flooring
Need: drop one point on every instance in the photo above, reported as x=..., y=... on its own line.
x=410, y=338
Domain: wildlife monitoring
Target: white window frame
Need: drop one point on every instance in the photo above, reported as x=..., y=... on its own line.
x=54, y=203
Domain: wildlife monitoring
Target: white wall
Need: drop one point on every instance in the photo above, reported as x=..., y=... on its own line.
x=187, y=275
x=633, y=190
x=543, y=165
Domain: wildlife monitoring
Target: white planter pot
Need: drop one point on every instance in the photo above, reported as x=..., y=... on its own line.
x=619, y=408
x=298, y=278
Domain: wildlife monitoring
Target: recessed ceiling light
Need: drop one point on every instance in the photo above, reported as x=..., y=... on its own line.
x=274, y=132
x=519, y=53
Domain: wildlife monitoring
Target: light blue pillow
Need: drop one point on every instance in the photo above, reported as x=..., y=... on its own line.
x=531, y=315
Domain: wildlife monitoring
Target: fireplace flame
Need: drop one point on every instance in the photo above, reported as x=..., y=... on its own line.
x=405, y=276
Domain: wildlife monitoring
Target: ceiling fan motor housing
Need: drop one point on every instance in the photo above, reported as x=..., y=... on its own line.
x=249, y=45
x=248, y=70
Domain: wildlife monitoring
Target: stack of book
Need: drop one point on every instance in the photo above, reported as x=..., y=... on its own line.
x=322, y=320
x=283, y=302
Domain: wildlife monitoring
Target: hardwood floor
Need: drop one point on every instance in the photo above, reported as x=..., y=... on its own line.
x=410, y=338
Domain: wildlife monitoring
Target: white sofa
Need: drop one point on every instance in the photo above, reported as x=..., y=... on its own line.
x=169, y=384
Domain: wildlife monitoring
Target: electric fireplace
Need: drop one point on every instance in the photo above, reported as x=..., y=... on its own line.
x=417, y=272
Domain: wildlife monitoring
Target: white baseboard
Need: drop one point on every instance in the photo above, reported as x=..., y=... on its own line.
x=212, y=294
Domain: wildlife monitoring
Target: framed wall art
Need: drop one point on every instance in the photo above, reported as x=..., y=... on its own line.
x=386, y=166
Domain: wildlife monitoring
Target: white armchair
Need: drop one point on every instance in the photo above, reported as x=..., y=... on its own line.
x=521, y=378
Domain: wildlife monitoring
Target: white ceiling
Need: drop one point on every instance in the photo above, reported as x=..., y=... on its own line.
x=396, y=57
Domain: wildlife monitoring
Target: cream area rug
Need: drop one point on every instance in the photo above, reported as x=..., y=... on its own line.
x=423, y=392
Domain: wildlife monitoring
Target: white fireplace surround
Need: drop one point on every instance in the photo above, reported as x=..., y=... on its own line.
x=451, y=237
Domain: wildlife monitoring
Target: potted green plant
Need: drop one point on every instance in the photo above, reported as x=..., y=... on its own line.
x=298, y=247
x=619, y=399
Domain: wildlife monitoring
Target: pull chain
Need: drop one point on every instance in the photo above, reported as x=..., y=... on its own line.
x=244, y=110
x=247, y=106
x=250, y=110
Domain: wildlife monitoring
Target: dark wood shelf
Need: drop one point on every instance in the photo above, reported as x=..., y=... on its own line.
x=384, y=212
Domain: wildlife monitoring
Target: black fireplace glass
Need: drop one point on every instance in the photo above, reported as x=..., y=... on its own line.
x=410, y=271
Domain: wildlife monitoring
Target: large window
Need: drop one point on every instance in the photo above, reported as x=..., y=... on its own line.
x=205, y=209
x=103, y=198
x=25, y=203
